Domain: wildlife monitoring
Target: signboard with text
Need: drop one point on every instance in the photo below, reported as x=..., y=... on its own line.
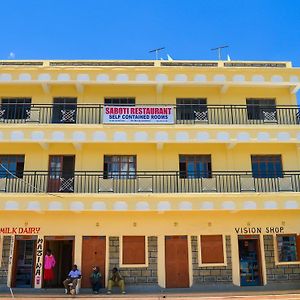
x=138, y=115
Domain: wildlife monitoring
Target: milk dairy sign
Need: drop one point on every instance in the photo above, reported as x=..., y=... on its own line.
x=138, y=114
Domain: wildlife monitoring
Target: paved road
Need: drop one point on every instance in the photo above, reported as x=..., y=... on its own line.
x=232, y=296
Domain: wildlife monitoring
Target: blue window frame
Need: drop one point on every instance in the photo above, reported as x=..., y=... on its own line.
x=266, y=166
x=194, y=166
x=14, y=164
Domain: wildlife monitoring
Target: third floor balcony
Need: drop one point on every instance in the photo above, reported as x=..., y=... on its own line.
x=198, y=114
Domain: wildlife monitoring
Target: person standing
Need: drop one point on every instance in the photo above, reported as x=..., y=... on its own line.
x=116, y=280
x=49, y=264
x=95, y=279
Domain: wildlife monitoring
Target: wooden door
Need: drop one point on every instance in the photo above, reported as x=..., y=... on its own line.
x=176, y=261
x=55, y=172
x=61, y=173
x=93, y=254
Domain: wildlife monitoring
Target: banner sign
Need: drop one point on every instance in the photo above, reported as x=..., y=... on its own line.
x=138, y=115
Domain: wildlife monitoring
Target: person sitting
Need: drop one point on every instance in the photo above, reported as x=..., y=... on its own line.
x=72, y=280
x=116, y=280
x=95, y=279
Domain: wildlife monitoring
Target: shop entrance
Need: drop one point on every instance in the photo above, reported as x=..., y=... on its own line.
x=23, y=262
x=62, y=248
x=250, y=260
x=93, y=254
x=176, y=261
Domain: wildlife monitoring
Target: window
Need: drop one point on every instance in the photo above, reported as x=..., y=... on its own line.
x=64, y=110
x=191, y=109
x=134, y=250
x=212, y=251
x=119, y=101
x=119, y=166
x=261, y=109
x=194, y=166
x=288, y=247
x=16, y=108
x=14, y=164
x=266, y=166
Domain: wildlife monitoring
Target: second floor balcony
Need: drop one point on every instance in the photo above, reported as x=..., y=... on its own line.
x=28, y=113
x=147, y=182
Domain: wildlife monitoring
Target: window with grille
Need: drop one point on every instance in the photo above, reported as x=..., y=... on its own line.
x=195, y=166
x=212, y=251
x=119, y=101
x=64, y=110
x=191, y=109
x=11, y=166
x=119, y=166
x=266, y=166
x=288, y=247
x=15, y=108
x=261, y=109
x=134, y=250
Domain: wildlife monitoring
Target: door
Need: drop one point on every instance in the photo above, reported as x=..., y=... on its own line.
x=24, y=258
x=176, y=261
x=93, y=254
x=62, y=248
x=64, y=110
x=61, y=173
x=250, y=261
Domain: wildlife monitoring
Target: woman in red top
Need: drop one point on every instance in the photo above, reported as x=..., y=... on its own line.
x=49, y=264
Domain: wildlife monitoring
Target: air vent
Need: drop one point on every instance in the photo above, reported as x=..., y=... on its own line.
x=21, y=63
x=255, y=65
x=189, y=64
x=100, y=63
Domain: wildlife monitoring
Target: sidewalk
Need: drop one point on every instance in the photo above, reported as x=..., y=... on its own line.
x=152, y=293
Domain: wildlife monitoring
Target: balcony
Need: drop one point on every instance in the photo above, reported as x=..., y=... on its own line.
x=147, y=182
x=192, y=114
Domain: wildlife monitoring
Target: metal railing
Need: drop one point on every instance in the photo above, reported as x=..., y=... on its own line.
x=183, y=114
x=146, y=182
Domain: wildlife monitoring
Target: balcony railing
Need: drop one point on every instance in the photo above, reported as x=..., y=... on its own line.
x=189, y=114
x=147, y=182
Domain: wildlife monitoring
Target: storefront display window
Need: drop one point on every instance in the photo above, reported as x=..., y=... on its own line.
x=288, y=247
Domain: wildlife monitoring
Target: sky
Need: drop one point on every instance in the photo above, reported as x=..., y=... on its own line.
x=128, y=29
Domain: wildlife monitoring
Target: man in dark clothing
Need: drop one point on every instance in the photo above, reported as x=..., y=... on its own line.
x=95, y=279
x=116, y=280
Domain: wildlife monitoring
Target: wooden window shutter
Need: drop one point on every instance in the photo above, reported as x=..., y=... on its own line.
x=134, y=250
x=298, y=247
x=212, y=249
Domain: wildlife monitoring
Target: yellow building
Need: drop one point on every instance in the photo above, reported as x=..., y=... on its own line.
x=180, y=173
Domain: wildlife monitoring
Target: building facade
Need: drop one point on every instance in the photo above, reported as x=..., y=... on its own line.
x=180, y=173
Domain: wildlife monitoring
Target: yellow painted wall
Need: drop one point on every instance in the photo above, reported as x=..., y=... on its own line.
x=148, y=94
x=149, y=158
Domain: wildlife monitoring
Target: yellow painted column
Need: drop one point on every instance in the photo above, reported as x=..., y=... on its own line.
x=78, y=251
x=235, y=260
x=190, y=259
x=1, y=249
x=10, y=260
x=161, y=274
x=263, y=260
x=107, y=273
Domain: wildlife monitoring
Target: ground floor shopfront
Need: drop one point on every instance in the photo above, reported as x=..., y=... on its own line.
x=168, y=249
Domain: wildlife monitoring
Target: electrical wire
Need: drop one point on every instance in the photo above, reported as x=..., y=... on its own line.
x=28, y=184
